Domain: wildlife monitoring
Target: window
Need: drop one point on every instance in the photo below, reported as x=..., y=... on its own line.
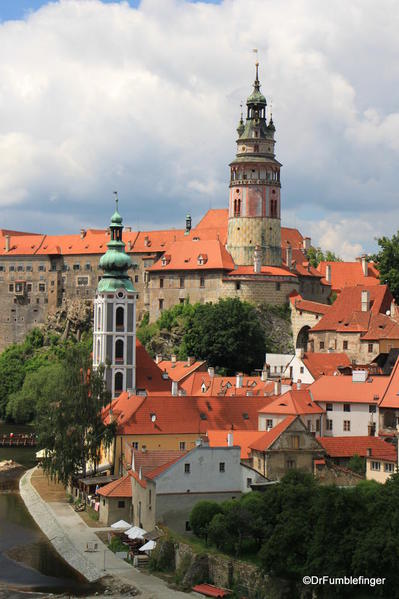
x=290, y=464
x=202, y=282
x=76, y=267
x=160, y=302
x=370, y=348
x=317, y=426
x=120, y=318
x=345, y=345
x=121, y=504
x=237, y=205
x=42, y=287
x=295, y=441
x=238, y=285
x=11, y=287
x=269, y=423
x=83, y=281
x=278, y=286
x=181, y=283
x=376, y=466
x=389, y=467
x=347, y=407
x=347, y=425
x=182, y=445
x=119, y=351
x=19, y=287
x=20, y=268
x=87, y=266
x=29, y=287
x=329, y=424
x=135, y=444
x=329, y=407
x=372, y=408
x=41, y=268
x=302, y=369
x=161, y=283
x=309, y=425
x=118, y=382
x=188, y=527
x=259, y=464
x=149, y=497
x=2, y=269
x=11, y=268
x=186, y=468
x=321, y=345
x=181, y=300
x=222, y=467
x=136, y=278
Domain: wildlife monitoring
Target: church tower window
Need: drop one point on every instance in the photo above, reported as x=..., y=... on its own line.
x=120, y=318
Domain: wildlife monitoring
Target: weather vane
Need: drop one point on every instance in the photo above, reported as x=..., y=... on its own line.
x=116, y=199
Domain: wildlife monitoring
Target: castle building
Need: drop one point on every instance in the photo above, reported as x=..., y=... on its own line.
x=114, y=334
x=241, y=251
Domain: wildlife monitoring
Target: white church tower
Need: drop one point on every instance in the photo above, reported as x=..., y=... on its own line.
x=114, y=335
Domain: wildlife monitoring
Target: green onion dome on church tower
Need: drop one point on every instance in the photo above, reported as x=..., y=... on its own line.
x=115, y=263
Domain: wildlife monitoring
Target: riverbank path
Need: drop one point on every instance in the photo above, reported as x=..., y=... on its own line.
x=70, y=536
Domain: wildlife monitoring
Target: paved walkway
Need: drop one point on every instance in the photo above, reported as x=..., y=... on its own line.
x=69, y=534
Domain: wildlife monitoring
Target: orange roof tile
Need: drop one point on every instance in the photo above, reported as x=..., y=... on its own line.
x=342, y=389
x=243, y=439
x=137, y=478
x=269, y=271
x=390, y=396
x=346, y=315
x=293, y=402
x=267, y=439
x=346, y=447
x=152, y=458
x=291, y=237
x=180, y=369
x=349, y=274
x=202, y=384
x=381, y=326
x=118, y=488
x=148, y=374
x=159, y=469
x=308, y=306
x=319, y=364
x=185, y=255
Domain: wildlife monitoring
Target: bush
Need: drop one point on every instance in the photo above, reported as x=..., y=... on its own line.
x=201, y=517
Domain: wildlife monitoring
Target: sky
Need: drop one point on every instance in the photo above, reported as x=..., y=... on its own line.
x=143, y=97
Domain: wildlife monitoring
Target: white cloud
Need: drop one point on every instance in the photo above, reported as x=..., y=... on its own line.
x=96, y=97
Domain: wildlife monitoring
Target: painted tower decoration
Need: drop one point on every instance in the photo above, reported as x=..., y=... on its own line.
x=254, y=204
x=114, y=336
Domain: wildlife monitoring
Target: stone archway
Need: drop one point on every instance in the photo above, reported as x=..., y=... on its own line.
x=303, y=338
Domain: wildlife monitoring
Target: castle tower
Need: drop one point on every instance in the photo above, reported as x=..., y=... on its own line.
x=254, y=203
x=114, y=335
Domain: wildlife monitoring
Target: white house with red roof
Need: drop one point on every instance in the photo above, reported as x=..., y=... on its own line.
x=309, y=366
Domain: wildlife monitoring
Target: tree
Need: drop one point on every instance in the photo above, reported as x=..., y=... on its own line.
x=387, y=262
x=201, y=516
x=316, y=255
x=69, y=423
x=357, y=464
x=227, y=335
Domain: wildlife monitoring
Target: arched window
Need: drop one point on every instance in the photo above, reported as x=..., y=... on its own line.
x=119, y=351
x=273, y=208
x=98, y=351
x=118, y=383
x=99, y=318
x=237, y=207
x=120, y=318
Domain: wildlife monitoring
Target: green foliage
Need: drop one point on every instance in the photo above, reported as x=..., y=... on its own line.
x=387, y=261
x=68, y=419
x=317, y=255
x=227, y=335
x=162, y=558
x=201, y=516
x=298, y=527
x=116, y=543
x=357, y=464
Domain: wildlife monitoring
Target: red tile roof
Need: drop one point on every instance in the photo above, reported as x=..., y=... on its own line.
x=349, y=274
x=319, y=364
x=186, y=254
x=267, y=439
x=211, y=591
x=180, y=369
x=342, y=389
x=243, y=439
x=308, y=306
x=136, y=476
x=270, y=271
x=153, y=458
x=381, y=326
x=118, y=488
x=159, y=469
x=139, y=415
x=346, y=315
x=293, y=402
x=390, y=396
x=291, y=237
x=202, y=384
x=148, y=374
x=346, y=447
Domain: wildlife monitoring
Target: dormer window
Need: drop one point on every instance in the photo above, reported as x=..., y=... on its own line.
x=202, y=259
x=165, y=260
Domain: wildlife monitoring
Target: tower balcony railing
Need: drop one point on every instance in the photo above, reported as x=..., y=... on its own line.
x=234, y=182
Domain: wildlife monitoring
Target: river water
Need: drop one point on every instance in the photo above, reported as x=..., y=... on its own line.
x=27, y=559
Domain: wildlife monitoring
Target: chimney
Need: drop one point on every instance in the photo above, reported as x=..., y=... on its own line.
x=129, y=245
x=188, y=224
x=190, y=360
x=173, y=358
x=158, y=358
x=299, y=384
x=328, y=273
x=211, y=371
x=277, y=387
x=365, y=265
x=7, y=248
x=306, y=243
x=146, y=241
x=82, y=233
x=257, y=259
x=128, y=229
x=392, y=309
x=175, y=389
x=230, y=439
x=141, y=473
x=365, y=300
x=288, y=256
x=239, y=380
x=368, y=452
x=263, y=374
x=299, y=352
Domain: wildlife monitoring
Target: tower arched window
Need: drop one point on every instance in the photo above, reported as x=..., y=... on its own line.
x=118, y=383
x=237, y=207
x=98, y=351
x=273, y=208
x=99, y=324
x=119, y=350
x=120, y=318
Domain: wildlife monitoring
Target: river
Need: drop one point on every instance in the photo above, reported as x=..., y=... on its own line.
x=27, y=559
